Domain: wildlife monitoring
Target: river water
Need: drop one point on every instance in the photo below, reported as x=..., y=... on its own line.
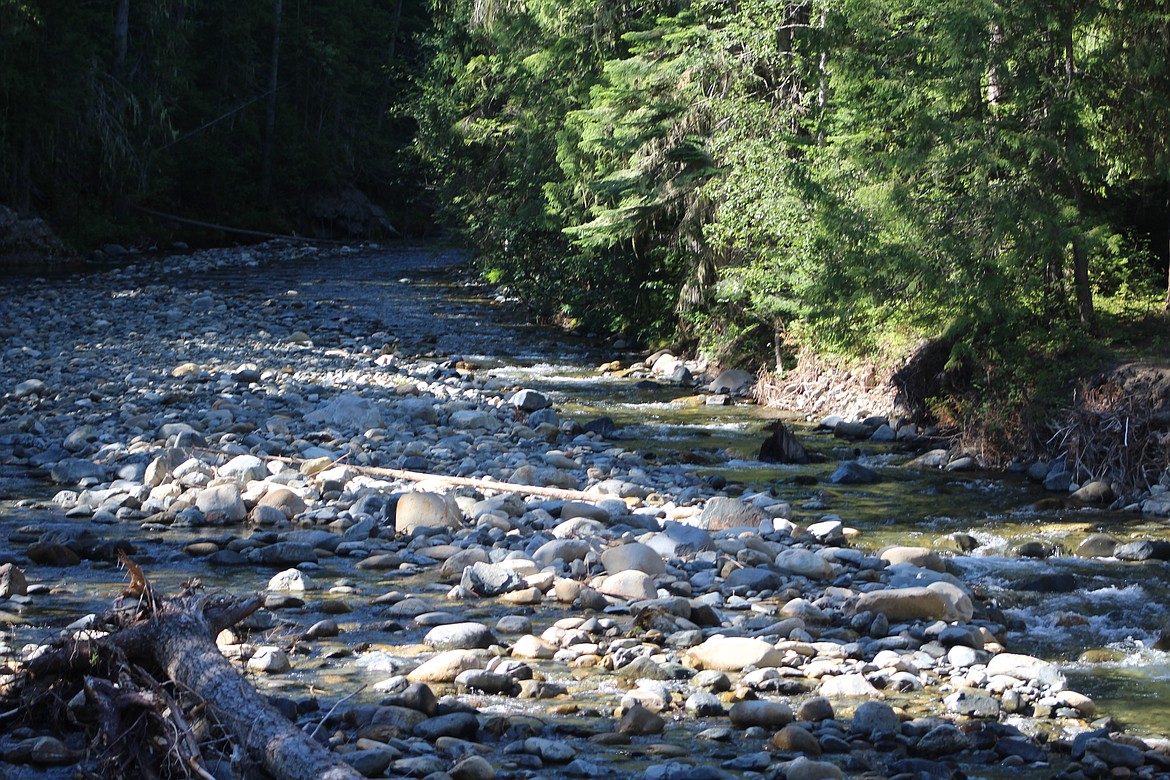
x=417, y=295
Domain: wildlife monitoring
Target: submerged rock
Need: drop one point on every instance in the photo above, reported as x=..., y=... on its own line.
x=853, y=473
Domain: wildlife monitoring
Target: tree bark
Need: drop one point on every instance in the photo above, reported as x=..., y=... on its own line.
x=121, y=37
x=1084, y=290
x=182, y=643
x=993, y=85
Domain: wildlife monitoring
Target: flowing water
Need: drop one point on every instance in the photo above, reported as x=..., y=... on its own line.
x=414, y=295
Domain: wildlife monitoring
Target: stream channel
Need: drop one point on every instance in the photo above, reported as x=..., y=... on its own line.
x=419, y=296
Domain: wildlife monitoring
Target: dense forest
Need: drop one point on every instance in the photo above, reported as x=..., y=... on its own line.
x=758, y=179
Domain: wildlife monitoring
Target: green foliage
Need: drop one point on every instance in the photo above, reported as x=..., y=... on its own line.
x=772, y=175
x=759, y=177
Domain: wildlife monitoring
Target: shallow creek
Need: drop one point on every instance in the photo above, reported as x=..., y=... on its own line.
x=1112, y=605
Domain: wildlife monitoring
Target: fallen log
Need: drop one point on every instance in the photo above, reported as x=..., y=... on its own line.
x=562, y=494
x=181, y=642
x=178, y=637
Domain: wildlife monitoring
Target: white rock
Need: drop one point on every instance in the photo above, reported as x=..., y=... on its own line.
x=633, y=557
x=848, y=685
x=30, y=387
x=426, y=510
x=222, y=504
x=292, y=580
x=1027, y=668
x=734, y=653
x=629, y=585
x=244, y=468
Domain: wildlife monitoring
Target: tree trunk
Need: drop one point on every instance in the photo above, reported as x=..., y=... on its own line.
x=179, y=638
x=273, y=85
x=183, y=645
x=121, y=37
x=1166, y=305
x=993, y=86
x=1084, y=290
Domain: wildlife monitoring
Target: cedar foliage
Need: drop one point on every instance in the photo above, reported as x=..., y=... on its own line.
x=767, y=176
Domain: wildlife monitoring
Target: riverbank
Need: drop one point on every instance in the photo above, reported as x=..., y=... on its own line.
x=667, y=626
x=1108, y=445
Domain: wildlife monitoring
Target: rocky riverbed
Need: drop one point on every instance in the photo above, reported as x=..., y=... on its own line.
x=649, y=623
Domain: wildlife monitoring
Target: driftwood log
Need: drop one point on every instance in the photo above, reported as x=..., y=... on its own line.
x=178, y=637
x=562, y=494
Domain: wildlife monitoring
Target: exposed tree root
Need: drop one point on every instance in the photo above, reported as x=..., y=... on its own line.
x=108, y=685
x=1120, y=432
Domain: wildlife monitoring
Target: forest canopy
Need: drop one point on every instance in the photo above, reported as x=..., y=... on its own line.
x=755, y=178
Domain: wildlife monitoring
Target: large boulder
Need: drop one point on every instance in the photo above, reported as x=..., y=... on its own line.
x=765, y=714
x=752, y=579
x=633, y=557
x=923, y=557
x=676, y=540
x=459, y=636
x=732, y=382
x=629, y=585
x=734, y=653
x=426, y=510
x=281, y=498
x=529, y=400
x=222, y=504
x=29, y=243
x=903, y=604
x=489, y=579
x=12, y=581
x=446, y=666
x=853, y=473
x=804, y=563
x=722, y=513
x=348, y=213
x=1026, y=668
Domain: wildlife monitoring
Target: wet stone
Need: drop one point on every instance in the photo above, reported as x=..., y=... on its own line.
x=459, y=636
x=795, y=739
x=12, y=581
x=813, y=709
x=973, y=704
x=271, y=660
x=485, y=579
x=460, y=725
x=941, y=741
x=767, y=714
x=875, y=719
x=638, y=721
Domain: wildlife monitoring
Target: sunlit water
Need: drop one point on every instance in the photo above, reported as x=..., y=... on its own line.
x=413, y=295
